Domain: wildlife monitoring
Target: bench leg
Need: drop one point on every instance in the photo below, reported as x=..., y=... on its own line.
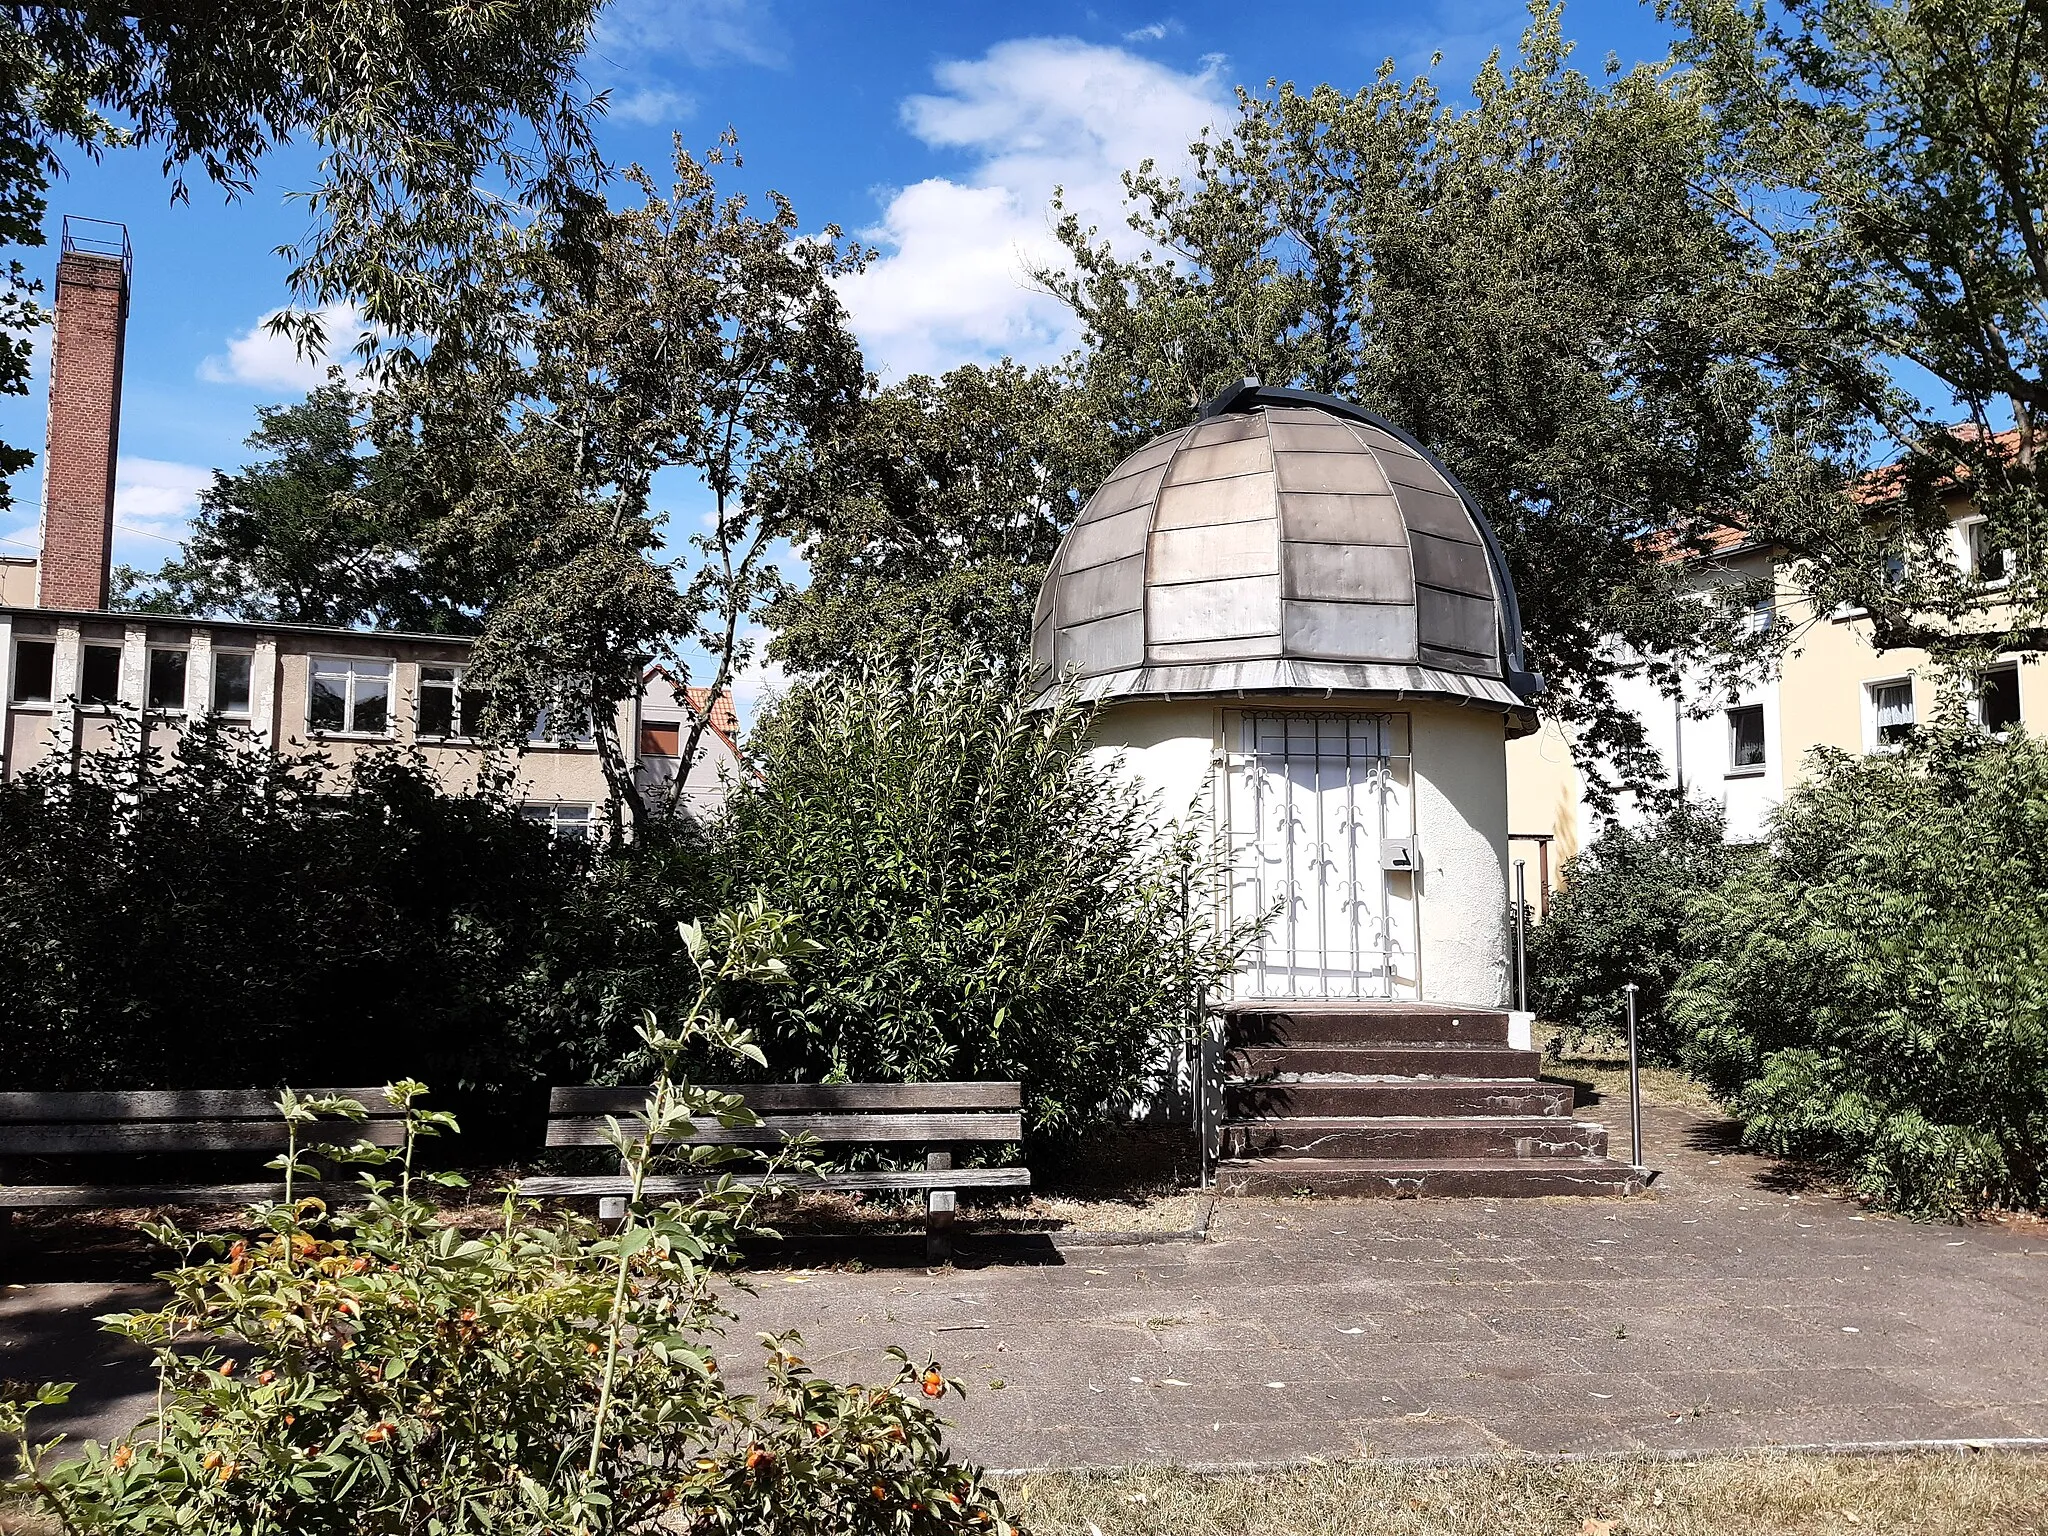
x=938, y=1214
x=611, y=1209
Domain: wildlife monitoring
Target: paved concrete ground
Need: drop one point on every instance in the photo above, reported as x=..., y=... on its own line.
x=1725, y=1309
x=1717, y=1312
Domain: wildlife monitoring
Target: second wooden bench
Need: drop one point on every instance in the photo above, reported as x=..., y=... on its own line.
x=940, y=1117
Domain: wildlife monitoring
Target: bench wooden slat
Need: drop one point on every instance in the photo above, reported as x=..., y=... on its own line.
x=175, y=1104
x=826, y=1128
x=59, y=1139
x=917, y=1178
x=117, y=1197
x=793, y=1098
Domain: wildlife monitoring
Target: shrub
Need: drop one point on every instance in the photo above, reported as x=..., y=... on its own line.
x=1620, y=918
x=991, y=901
x=382, y=1372
x=244, y=917
x=1875, y=992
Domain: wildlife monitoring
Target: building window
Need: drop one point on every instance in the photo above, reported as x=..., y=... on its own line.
x=232, y=671
x=1762, y=609
x=166, y=680
x=1990, y=562
x=35, y=671
x=1998, y=699
x=1746, y=738
x=1891, y=711
x=661, y=739
x=448, y=706
x=545, y=733
x=349, y=694
x=99, y=675
x=570, y=823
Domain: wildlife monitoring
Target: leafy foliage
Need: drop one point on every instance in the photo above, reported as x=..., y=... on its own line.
x=936, y=510
x=422, y=115
x=248, y=918
x=384, y=1372
x=1622, y=917
x=1874, y=995
x=1888, y=161
x=990, y=900
x=305, y=535
x=590, y=350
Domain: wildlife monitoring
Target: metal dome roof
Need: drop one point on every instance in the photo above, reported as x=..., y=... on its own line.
x=1285, y=542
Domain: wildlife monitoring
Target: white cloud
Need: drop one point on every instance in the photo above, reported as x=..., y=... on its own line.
x=953, y=284
x=1153, y=32
x=154, y=502
x=652, y=105
x=261, y=358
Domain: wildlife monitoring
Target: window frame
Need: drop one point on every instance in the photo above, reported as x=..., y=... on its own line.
x=1973, y=529
x=574, y=828
x=86, y=651
x=15, y=696
x=214, y=706
x=459, y=702
x=1736, y=768
x=1873, y=730
x=540, y=736
x=350, y=665
x=2009, y=669
x=184, y=654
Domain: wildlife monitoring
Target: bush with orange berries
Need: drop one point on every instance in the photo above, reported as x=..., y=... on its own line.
x=397, y=1375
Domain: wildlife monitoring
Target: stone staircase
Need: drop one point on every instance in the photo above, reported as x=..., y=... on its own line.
x=1398, y=1099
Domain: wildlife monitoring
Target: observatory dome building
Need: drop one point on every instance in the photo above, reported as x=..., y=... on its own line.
x=1302, y=632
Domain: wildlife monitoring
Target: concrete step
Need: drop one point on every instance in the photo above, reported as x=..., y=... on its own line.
x=1409, y=1178
x=1409, y=1059
x=1361, y=1024
x=1410, y=1097
x=1326, y=1137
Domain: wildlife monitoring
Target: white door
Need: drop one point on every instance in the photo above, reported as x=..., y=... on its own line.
x=1320, y=810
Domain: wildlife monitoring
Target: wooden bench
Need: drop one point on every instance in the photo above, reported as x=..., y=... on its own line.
x=152, y=1124
x=936, y=1116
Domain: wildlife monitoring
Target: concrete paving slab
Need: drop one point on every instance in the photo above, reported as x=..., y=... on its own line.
x=1712, y=1313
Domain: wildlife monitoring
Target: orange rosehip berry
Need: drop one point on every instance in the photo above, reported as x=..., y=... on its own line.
x=227, y=1470
x=759, y=1456
x=880, y=1492
x=227, y=1367
x=710, y=1366
x=266, y=1378
x=934, y=1384
x=123, y=1454
x=377, y=1434
x=213, y=1459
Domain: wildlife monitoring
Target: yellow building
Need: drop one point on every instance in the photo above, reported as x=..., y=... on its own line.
x=1830, y=687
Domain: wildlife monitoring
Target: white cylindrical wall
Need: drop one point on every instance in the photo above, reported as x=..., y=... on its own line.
x=1171, y=747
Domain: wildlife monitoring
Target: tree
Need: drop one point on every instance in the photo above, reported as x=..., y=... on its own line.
x=424, y=112
x=1889, y=160
x=590, y=349
x=1530, y=286
x=937, y=509
x=307, y=535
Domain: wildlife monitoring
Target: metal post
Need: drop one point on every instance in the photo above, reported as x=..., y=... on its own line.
x=1635, y=1086
x=1521, y=935
x=1212, y=1092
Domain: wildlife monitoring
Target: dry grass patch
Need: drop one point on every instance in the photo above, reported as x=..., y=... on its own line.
x=1983, y=1494
x=1601, y=1075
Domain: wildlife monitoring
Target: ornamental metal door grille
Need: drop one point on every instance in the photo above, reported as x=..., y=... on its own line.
x=1314, y=802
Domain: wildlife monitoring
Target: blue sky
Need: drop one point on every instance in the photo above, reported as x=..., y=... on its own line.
x=934, y=132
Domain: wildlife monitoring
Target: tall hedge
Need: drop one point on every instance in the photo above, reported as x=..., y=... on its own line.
x=1622, y=917
x=992, y=900
x=1873, y=997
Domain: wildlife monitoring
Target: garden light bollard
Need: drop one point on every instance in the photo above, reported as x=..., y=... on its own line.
x=1521, y=935
x=1635, y=1087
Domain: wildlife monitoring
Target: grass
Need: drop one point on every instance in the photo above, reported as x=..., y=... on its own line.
x=1983, y=1494
x=1600, y=1072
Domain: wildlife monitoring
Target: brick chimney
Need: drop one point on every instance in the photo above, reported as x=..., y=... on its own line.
x=85, y=416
